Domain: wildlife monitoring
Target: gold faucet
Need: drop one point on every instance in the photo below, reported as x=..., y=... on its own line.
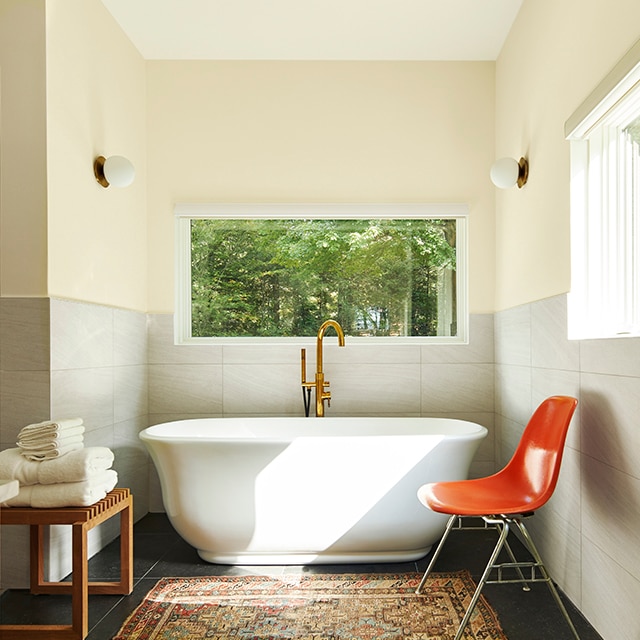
x=320, y=383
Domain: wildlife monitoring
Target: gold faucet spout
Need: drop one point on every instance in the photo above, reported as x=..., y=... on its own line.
x=321, y=383
x=321, y=331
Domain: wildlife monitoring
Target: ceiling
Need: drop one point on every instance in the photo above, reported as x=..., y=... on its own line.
x=316, y=29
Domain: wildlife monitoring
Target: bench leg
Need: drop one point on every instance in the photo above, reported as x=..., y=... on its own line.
x=80, y=582
x=126, y=548
x=36, y=556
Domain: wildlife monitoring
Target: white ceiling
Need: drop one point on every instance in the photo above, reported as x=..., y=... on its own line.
x=316, y=29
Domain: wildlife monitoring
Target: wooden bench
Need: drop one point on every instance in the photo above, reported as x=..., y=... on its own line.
x=81, y=519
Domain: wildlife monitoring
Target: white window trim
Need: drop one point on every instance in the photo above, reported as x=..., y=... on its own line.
x=185, y=212
x=601, y=295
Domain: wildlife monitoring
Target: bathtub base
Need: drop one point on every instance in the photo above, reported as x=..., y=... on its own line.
x=313, y=558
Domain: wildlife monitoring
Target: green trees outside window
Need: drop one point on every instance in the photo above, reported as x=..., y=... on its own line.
x=284, y=277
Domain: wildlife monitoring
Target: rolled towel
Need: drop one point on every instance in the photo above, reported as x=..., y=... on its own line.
x=49, y=428
x=51, y=451
x=66, y=494
x=74, y=466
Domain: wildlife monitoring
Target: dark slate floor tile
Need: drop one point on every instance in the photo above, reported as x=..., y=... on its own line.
x=160, y=552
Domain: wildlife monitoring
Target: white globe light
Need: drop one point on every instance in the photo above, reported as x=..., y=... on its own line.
x=119, y=171
x=504, y=173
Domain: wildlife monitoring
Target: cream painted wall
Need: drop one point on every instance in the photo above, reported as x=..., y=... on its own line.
x=554, y=56
x=96, y=98
x=320, y=132
x=23, y=170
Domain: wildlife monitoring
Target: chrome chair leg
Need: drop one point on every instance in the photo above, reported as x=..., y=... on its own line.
x=507, y=546
x=526, y=586
x=503, y=526
x=452, y=520
x=499, y=524
x=536, y=556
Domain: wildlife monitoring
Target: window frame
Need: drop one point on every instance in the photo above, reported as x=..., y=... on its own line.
x=605, y=256
x=185, y=212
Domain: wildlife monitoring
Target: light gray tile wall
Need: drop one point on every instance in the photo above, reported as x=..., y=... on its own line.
x=24, y=399
x=588, y=532
x=24, y=365
x=261, y=379
x=365, y=379
x=99, y=372
x=61, y=359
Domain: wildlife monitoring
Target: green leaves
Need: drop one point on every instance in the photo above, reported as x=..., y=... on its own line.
x=256, y=277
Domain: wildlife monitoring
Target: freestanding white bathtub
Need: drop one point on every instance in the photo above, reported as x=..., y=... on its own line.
x=308, y=490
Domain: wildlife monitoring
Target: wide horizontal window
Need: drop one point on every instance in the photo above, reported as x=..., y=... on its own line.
x=280, y=271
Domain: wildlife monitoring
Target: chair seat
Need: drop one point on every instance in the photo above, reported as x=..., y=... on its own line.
x=492, y=495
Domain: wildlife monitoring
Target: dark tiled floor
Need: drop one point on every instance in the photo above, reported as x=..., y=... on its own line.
x=160, y=552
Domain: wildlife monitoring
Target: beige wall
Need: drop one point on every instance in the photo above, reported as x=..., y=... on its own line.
x=320, y=132
x=555, y=55
x=95, y=106
x=23, y=170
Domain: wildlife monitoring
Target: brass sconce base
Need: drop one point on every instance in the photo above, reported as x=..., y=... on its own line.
x=523, y=172
x=98, y=170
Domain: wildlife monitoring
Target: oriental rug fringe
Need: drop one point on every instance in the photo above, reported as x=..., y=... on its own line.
x=311, y=607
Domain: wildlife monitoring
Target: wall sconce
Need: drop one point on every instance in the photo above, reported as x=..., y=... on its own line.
x=115, y=170
x=508, y=172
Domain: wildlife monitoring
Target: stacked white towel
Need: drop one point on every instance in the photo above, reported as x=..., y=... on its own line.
x=55, y=469
x=48, y=440
x=65, y=494
x=76, y=466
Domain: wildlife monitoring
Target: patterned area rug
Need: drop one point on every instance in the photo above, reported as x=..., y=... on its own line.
x=318, y=607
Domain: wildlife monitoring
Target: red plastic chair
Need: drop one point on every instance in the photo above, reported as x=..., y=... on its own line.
x=525, y=484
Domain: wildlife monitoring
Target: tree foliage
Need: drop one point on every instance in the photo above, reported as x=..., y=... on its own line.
x=256, y=277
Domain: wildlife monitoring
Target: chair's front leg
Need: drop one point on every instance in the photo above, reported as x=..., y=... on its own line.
x=450, y=523
x=485, y=576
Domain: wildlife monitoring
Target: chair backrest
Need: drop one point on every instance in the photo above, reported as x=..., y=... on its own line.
x=535, y=464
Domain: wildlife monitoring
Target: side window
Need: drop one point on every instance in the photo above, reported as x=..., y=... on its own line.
x=279, y=271
x=605, y=207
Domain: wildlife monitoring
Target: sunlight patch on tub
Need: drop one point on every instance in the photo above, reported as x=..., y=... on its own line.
x=319, y=488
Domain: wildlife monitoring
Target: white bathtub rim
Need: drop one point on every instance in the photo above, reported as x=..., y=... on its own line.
x=240, y=429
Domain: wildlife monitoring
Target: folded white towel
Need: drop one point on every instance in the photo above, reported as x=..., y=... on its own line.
x=34, y=437
x=52, y=451
x=15, y=466
x=49, y=427
x=47, y=444
x=66, y=494
x=74, y=466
